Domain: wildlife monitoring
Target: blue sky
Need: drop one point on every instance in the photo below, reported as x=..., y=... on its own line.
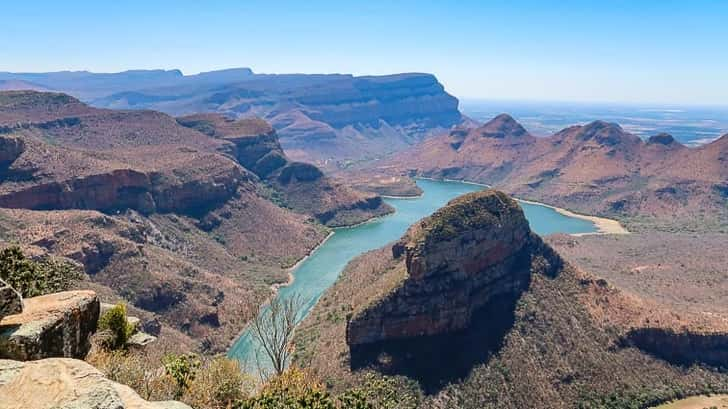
x=623, y=51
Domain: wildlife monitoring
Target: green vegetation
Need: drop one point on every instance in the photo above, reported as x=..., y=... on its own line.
x=183, y=369
x=219, y=383
x=33, y=278
x=203, y=383
x=114, y=321
x=300, y=389
x=478, y=209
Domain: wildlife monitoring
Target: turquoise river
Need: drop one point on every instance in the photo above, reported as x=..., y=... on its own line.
x=320, y=270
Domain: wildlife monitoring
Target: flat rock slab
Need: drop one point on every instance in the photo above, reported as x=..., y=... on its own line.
x=53, y=325
x=66, y=383
x=140, y=340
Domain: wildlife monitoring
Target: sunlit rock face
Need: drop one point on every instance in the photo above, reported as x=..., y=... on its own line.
x=476, y=248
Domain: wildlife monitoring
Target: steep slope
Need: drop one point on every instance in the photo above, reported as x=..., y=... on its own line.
x=478, y=312
x=317, y=116
x=593, y=168
x=299, y=186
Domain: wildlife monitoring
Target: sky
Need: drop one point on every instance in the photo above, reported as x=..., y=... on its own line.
x=639, y=51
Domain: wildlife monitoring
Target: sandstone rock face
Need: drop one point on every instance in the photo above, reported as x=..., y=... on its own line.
x=127, y=189
x=475, y=248
x=260, y=153
x=61, y=383
x=686, y=347
x=53, y=325
x=10, y=301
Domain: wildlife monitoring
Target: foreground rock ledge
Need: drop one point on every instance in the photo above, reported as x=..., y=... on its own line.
x=66, y=383
x=53, y=325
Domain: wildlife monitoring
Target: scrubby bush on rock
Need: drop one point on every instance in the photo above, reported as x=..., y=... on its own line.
x=114, y=320
x=32, y=278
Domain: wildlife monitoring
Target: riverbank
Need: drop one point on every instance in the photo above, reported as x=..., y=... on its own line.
x=602, y=224
x=275, y=287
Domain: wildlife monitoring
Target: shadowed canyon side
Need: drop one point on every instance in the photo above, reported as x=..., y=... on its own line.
x=317, y=116
x=479, y=312
x=191, y=226
x=593, y=168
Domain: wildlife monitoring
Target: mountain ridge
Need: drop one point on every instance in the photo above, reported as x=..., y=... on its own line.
x=318, y=116
x=592, y=168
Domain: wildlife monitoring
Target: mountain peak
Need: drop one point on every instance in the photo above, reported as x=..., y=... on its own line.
x=604, y=133
x=502, y=126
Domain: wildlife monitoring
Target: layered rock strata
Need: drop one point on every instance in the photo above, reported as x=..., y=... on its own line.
x=53, y=325
x=457, y=260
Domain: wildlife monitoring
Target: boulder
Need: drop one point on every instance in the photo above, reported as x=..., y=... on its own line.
x=140, y=340
x=53, y=325
x=64, y=384
x=10, y=300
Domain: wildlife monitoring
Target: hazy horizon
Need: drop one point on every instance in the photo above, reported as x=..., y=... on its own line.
x=619, y=52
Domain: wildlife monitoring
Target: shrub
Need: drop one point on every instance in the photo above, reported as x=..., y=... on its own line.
x=114, y=320
x=33, y=278
x=182, y=368
x=136, y=370
x=218, y=385
x=295, y=388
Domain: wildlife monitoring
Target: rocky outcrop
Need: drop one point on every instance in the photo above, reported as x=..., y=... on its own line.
x=476, y=248
x=128, y=189
x=53, y=325
x=254, y=142
x=261, y=153
x=66, y=383
x=681, y=347
x=10, y=300
x=299, y=172
x=300, y=186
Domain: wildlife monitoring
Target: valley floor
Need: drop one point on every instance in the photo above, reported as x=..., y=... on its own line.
x=682, y=271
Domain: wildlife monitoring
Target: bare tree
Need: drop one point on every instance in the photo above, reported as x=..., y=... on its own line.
x=273, y=327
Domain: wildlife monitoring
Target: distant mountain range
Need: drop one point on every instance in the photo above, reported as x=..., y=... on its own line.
x=318, y=117
x=594, y=168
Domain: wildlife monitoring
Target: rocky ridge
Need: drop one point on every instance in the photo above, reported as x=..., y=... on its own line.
x=596, y=168
x=317, y=116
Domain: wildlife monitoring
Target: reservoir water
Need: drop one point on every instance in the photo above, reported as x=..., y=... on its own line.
x=319, y=271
